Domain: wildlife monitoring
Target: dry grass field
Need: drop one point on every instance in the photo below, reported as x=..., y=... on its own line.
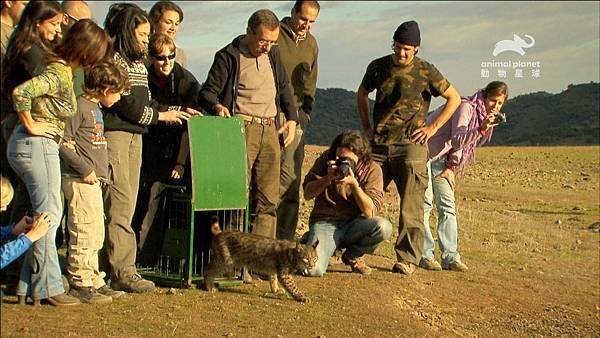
x=529, y=222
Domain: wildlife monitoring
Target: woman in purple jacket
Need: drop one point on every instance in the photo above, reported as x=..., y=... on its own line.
x=451, y=149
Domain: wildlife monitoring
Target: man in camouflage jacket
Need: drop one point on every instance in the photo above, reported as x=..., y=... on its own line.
x=404, y=85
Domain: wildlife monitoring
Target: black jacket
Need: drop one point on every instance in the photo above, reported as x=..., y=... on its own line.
x=182, y=88
x=223, y=78
x=161, y=145
x=30, y=64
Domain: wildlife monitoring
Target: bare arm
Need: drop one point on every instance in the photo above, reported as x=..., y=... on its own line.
x=315, y=188
x=452, y=102
x=423, y=134
x=365, y=203
x=35, y=128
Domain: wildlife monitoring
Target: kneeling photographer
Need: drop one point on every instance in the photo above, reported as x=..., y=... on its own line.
x=348, y=190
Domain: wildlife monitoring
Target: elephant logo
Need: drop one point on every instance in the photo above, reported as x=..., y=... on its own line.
x=517, y=45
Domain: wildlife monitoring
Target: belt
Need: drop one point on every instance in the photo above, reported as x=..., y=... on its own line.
x=265, y=121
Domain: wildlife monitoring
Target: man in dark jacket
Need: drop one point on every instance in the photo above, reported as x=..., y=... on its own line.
x=247, y=79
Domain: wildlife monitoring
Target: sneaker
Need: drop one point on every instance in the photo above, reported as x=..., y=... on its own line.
x=357, y=265
x=336, y=258
x=456, y=266
x=61, y=300
x=132, y=284
x=89, y=295
x=430, y=264
x=404, y=268
x=107, y=291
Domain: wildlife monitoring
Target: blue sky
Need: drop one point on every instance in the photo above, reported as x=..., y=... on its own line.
x=455, y=36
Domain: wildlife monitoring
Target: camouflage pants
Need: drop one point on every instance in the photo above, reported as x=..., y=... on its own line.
x=406, y=165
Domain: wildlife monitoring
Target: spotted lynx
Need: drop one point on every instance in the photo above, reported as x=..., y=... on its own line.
x=276, y=258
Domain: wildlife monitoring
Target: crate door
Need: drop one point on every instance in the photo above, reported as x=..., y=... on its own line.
x=218, y=163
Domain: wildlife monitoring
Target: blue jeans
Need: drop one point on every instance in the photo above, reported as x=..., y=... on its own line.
x=359, y=236
x=439, y=190
x=35, y=159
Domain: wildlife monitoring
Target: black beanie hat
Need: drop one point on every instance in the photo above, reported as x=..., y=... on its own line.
x=408, y=33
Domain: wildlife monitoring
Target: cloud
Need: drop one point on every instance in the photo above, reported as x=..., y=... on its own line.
x=457, y=37
x=463, y=34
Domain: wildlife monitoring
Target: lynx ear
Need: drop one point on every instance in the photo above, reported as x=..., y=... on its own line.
x=316, y=243
x=214, y=225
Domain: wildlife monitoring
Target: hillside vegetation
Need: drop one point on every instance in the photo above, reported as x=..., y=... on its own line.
x=571, y=117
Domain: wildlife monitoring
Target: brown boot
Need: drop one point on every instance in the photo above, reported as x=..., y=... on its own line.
x=430, y=264
x=63, y=300
x=456, y=266
x=357, y=264
x=403, y=267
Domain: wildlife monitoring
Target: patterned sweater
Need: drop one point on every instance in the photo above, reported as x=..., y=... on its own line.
x=49, y=97
x=136, y=109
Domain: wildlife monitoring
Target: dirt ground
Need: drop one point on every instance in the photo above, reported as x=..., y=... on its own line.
x=529, y=222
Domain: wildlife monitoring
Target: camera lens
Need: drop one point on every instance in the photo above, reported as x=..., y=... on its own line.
x=500, y=117
x=342, y=171
x=343, y=167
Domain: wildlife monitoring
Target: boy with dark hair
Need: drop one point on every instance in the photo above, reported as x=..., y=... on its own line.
x=85, y=168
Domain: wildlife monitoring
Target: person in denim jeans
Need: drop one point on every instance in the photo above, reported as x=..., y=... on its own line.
x=28, y=45
x=404, y=85
x=451, y=149
x=43, y=103
x=348, y=190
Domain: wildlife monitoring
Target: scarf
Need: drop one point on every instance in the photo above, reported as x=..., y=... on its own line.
x=477, y=103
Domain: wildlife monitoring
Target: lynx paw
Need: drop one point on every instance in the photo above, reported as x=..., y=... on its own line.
x=278, y=291
x=302, y=299
x=211, y=289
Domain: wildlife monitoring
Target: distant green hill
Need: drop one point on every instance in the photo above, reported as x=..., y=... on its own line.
x=334, y=112
x=568, y=118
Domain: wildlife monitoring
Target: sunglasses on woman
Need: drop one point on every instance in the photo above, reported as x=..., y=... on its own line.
x=164, y=57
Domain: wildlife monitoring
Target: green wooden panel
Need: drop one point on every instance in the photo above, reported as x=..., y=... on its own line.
x=218, y=159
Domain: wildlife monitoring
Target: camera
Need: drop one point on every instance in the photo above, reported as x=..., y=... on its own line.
x=500, y=118
x=343, y=166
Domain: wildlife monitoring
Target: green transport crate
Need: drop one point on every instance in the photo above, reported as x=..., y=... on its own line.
x=218, y=165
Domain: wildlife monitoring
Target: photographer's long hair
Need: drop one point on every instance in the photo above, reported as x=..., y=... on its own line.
x=353, y=140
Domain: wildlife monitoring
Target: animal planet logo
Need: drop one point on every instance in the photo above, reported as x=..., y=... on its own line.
x=519, y=68
x=517, y=45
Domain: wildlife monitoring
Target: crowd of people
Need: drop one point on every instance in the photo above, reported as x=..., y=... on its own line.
x=96, y=117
